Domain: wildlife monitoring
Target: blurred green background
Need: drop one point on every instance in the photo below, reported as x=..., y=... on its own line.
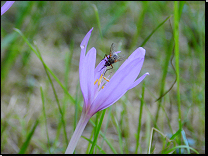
x=31, y=123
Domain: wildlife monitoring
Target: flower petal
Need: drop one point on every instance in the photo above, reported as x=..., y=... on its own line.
x=138, y=81
x=138, y=53
x=6, y=6
x=83, y=47
x=117, y=52
x=132, y=86
x=98, y=70
x=82, y=65
x=87, y=77
x=117, y=86
x=86, y=39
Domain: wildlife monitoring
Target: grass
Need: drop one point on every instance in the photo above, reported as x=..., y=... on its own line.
x=41, y=100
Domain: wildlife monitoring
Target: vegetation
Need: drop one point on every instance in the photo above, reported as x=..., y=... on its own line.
x=41, y=100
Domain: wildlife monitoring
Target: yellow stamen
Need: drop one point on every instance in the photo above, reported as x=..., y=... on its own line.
x=100, y=79
x=95, y=81
x=106, y=79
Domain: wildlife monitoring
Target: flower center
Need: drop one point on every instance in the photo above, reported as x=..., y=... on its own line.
x=100, y=80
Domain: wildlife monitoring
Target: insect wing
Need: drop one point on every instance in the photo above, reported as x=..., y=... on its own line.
x=112, y=49
x=121, y=57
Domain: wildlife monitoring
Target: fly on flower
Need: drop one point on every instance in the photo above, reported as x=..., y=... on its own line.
x=113, y=57
x=95, y=98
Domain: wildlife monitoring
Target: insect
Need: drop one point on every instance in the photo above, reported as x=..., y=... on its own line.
x=112, y=58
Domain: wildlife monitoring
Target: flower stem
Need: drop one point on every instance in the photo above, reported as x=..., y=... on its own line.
x=77, y=133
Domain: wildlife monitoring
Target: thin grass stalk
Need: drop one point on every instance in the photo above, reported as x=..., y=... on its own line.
x=98, y=20
x=44, y=114
x=56, y=96
x=119, y=133
x=176, y=38
x=97, y=131
x=49, y=70
x=140, y=119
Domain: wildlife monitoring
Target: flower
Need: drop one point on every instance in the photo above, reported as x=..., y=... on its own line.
x=6, y=6
x=98, y=91
x=96, y=99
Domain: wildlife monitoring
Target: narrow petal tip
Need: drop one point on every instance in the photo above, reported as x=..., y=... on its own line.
x=138, y=81
x=86, y=39
x=142, y=50
x=82, y=46
x=6, y=6
x=91, y=29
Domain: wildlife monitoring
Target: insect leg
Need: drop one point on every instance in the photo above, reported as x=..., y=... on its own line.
x=106, y=56
x=108, y=69
x=111, y=66
x=101, y=68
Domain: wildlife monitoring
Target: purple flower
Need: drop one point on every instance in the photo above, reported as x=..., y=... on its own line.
x=6, y=6
x=99, y=92
x=96, y=98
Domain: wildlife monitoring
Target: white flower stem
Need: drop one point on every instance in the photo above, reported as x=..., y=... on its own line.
x=77, y=133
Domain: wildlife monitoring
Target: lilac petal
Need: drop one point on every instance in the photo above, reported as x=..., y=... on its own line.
x=138, y=81
x=83, y=47
x=117, y=86
x=6, y=6
x=132, y=86
x=98, y=70
x=87, y=77
x=138, y=53
x=117, y=52
x=82, y=65
x=86, y=39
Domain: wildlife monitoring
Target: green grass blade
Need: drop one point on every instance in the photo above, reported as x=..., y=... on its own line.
x=164, y=75
x=54, y=76
x=140, y=119
x=91, y=138
x=109, y=143
x=97, y=131
x=176, y=134
x=148, y=37
x=97, y=19
x=38, y=54
x=105, y=131
x=101, y=150
x=56, y=97
x=29, y=136
x=181, y=4
x=45, y=118
x=181, y=146
x=124, y=126
x=176, y=39
x=119, y=134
